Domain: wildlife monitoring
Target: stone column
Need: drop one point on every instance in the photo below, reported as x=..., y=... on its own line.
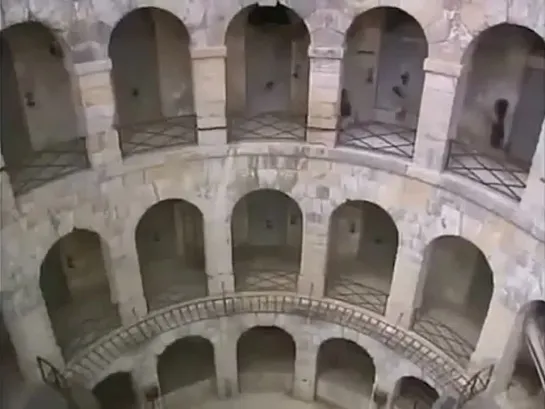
x=146, y=379
x=31, y=333
x=408, y=280
x=218, y=253
x=314, y=253
x=125, y=279
x=495, y=334
x=209, y=93
x=225, y=358
x=533, y=199
x=439, y=111
x=324, y=95
x=99, y=110
x=304, y=380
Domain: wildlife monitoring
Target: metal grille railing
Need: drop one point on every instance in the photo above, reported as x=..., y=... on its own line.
x=380, y=137
x=96, y=358
x=266, y=126
x=46, y=165
x=493, y=172
x=355, y=293
x=162, y=133
x=448, y=340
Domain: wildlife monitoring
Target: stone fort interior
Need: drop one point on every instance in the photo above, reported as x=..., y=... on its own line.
x=300, y=204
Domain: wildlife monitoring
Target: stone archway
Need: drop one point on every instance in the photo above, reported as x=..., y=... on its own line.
x=152, y=81
x=75, y=287
x=455, y=297
x=116, y=392
x=170, y=245
x=363, y=241
x=267, y=75
x=42, y=138
x=267, y=234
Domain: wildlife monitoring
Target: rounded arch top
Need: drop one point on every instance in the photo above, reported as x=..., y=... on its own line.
x=167, y=202
x=504, y=29
x=268, y=191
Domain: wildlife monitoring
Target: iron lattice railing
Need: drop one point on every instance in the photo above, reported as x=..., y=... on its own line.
x=377, y=136
x=495, y=173
x=158, y=134
x=86, y=365
x=448, y=340
x=266, y=126
x=355, y=293
x=46, y=165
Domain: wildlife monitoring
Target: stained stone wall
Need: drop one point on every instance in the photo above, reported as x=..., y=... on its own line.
x=424, y=202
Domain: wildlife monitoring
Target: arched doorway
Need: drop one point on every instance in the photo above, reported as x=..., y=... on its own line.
x=267, y=74
x=267, y=234
x=116, y=392
x=11, y=379
x=382, y=82
x=170, y=246
x=42, y=138
x=345, y=374
x=456, y=295
x=414, y=393
x=266, y=360
x=499, y=108
x=152, y=80
x=527, y=386
x=363, y=241
x=187, y=372
x=75, y=287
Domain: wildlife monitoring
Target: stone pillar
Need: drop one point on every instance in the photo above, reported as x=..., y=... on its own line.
x=31, y=332
x=146, y=379
x=324, y=95
x=495, y=334
x=218, y=254
x=125, y=279
x=439, y=112
x=304, y=380
x=533, y=199
x=225, y=357
x=314, y=254
x=408, y=280
x=99, y=110
x=209, y=93
x=8, y=207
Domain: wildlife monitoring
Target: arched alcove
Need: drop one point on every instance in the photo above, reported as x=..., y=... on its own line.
x=345, y=374
x=363, y=241
x=267, y=234
x=455, y=297
x=41, y=135
x=75, y=287
x=382, y=81
x=499, y=108
x=152, y=80
x=411, y=392
x=187, y=372
x=11, y=378
x=526, y=390
x=170, y=246
x=267, y=74
x=266, y=360
x=116, y=392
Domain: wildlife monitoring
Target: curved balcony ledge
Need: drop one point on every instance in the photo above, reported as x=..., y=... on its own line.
x=91, y=362
x=92, y=180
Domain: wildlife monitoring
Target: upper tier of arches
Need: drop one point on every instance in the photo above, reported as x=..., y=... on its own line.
x=449, y=29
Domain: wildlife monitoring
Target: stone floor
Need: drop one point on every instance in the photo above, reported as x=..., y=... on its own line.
x=163, y=133
x=492, y=168
x=270, y=400
x=266, y=269
x=170, y=281
x=82, y=321
x=267, y=126
x=46, y=165
x=377, y=136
